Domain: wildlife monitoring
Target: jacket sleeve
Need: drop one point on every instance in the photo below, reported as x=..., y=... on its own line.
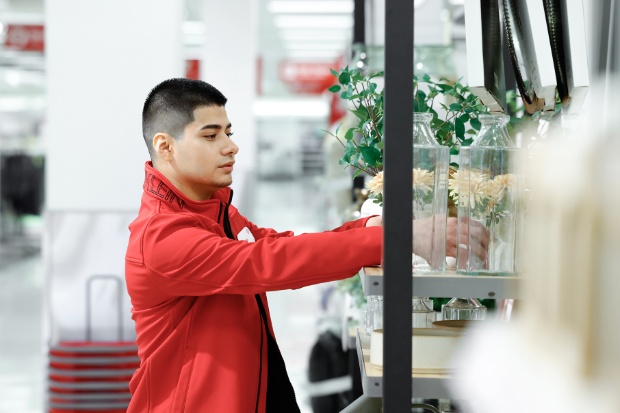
x=185, y=259
x=259, y=232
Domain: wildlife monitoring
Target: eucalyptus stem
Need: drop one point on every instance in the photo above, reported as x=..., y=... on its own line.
x=368, y=107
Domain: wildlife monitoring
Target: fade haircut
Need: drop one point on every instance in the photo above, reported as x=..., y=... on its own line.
x=170, y=106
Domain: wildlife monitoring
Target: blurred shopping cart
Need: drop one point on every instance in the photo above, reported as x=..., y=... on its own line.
x=92, y=376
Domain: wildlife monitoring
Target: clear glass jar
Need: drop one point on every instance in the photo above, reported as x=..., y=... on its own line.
x=464, y=309
x=430, y=195
x=374, y=313
x=488, y=182
x=422, y=314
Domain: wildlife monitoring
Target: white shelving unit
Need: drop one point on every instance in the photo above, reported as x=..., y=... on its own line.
x=448, y=284
x=430, y=386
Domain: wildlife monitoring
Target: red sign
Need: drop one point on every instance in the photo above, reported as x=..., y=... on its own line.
x=192, y=69
x=28, y=37
x=307, y=77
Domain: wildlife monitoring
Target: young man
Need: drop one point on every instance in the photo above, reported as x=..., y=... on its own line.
x=197, y=271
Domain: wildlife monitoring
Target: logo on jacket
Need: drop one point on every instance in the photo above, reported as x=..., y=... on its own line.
x=155, y=186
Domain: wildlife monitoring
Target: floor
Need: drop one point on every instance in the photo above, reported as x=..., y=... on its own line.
x=283, y=205
x=21, y=350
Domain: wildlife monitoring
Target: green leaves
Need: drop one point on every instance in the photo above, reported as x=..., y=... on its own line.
x=349, y=135
x=454, y=108
x=459, y=109
x=475, y=124
x=362, y=142
x=459, y=129
x=344, y=78
x=371, y=155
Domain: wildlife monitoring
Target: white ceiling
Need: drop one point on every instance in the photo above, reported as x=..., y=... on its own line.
x=308, y=30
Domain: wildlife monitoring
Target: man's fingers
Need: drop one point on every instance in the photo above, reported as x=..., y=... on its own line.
x=477, y=250
x=477, y=247
x=474, y=232
x=480, y=229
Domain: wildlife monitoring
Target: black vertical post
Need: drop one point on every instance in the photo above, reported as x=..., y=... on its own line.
x=359, y=21
x=359, y=37
x=397, y=212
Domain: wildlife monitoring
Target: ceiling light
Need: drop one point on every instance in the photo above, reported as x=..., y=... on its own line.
x=309, y=34
x=326, y=54
x=314, y=21
x=306, y=108
x=193, y=27
x=315, y=46
x=317, y=6
x=13, y=78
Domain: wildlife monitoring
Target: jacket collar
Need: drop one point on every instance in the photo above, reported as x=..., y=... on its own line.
x=158, y=187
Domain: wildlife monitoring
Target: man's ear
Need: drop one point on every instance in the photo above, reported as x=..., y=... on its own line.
x=163, y=146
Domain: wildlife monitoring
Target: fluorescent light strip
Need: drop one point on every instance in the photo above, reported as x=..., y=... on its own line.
x=315, y=46
x=316, y=21
x=310, y=6
x=193, y=27
x=317, y=34
x=264, y=108
x=327, y=54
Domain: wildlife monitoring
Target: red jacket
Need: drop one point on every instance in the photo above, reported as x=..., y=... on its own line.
x=192, y=290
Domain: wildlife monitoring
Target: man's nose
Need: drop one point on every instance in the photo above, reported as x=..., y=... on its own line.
x=231, y=148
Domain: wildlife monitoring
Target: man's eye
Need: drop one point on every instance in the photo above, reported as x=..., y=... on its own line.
x=210, y=136
x=230, y=134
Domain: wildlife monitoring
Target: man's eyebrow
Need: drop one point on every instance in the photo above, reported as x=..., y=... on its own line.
x=215, y=126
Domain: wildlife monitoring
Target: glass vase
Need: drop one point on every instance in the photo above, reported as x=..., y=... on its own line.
x=430, y=195
x=374, y=313
x=422, y=314
x=487, y=185
x=464, y=309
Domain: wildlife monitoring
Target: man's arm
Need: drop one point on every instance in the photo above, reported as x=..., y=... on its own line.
x=260, y=232
x=185, y=259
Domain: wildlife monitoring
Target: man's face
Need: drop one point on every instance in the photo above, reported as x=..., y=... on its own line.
x=202, y=160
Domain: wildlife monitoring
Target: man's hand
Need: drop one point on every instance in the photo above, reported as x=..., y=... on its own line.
x=423, y=237
x=376, y=221
x=479, y=239
x=423, y=233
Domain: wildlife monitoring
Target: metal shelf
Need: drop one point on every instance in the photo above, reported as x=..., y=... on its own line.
x=428, y=386
x=448, y=284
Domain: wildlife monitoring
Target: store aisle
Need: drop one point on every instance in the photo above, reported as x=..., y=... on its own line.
x=21, y=355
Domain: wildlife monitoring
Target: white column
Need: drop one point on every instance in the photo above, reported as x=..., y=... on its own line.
x=103, y=57
x=229, y=64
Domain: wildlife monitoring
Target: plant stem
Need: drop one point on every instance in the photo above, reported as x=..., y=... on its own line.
x=373, y=122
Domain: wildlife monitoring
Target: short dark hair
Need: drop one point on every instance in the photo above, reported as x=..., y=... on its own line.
x=170, y=106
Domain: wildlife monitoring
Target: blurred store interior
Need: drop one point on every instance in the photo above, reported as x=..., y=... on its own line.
x=73, y=76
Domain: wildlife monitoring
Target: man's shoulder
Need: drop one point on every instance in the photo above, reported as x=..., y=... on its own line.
x=175, y=219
